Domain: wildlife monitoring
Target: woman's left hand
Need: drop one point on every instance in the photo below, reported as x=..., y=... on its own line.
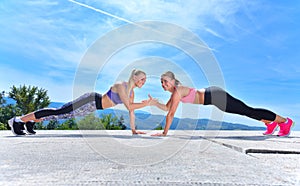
x=158, y=134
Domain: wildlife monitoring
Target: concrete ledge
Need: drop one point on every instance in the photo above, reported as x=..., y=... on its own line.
x=118, y=158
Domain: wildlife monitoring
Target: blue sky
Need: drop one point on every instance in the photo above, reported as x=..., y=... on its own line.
x=255, y=44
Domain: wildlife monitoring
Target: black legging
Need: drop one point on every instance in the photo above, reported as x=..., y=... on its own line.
x=225, y=102
x=71, y=106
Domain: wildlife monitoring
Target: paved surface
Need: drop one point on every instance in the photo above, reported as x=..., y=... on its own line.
x=118, y=158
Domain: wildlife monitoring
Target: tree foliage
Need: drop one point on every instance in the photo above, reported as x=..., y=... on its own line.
x=90, y=122
x=29, y=98
x=159, y=127
x=40, y=126
x=7, y=111
x=105, y=122
x=69, y=124
x=53, y=124
x=2, y=100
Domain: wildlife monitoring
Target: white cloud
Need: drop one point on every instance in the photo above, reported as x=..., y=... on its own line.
x=195, y=15
x=52, y=30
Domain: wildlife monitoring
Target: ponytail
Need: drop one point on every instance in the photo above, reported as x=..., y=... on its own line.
x=130, y=82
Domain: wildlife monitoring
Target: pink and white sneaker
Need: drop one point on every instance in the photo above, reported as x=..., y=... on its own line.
x=271, y=127
x=285, y=128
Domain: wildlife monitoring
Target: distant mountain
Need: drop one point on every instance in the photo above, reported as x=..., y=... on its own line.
x=51, y=105
x=55, y=105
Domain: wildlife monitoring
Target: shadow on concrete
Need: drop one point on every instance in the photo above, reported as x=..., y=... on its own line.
x=41, y=136
x=250, y=138
x=129, y=136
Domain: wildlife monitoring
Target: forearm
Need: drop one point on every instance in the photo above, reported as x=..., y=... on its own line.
x=132, y=121
x=134, y=106
x=162, y=106
x=171, y=107
x=169, y=120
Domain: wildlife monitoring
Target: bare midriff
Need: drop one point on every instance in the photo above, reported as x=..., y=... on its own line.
x=199, y=97
x=107, y=102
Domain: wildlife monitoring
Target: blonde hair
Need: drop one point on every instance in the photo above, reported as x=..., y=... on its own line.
x=172, y=76
x=132, y=80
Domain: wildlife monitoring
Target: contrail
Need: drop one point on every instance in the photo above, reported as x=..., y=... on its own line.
x=103, y=12
x=131, y=22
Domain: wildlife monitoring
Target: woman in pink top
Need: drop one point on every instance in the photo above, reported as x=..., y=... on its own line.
x=219, y=98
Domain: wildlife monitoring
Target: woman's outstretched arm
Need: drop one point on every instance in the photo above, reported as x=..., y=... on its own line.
x=171, y=106
x=129, y=101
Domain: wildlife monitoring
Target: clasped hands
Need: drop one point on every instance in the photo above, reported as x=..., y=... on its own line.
x=151, y=101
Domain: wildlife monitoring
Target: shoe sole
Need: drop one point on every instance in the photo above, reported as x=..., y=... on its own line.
x=289, y=132
x=11, y=123
x=272, y=132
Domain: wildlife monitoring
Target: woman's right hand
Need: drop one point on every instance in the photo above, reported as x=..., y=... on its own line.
x=138, y=132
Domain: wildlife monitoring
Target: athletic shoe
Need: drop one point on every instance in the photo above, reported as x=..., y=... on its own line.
x=285, y=128
x=271, y=127
x=16, y=127
x=22, y=126
x=29, y=127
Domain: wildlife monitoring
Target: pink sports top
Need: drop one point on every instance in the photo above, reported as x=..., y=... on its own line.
x=190, y=97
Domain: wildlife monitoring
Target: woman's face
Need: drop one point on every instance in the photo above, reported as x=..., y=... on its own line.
x=167, y=83
x=140, y=80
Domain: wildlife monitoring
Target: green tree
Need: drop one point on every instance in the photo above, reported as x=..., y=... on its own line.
x=3, y=126
x=29, y=99
x=53, y=124
x=111, y=122
x=2, y=100
x=7, y=111
x=121, y=122
x=70, y=124
x=108, y=121
x=158, y=127
x=40, y=126
x=90, y=122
